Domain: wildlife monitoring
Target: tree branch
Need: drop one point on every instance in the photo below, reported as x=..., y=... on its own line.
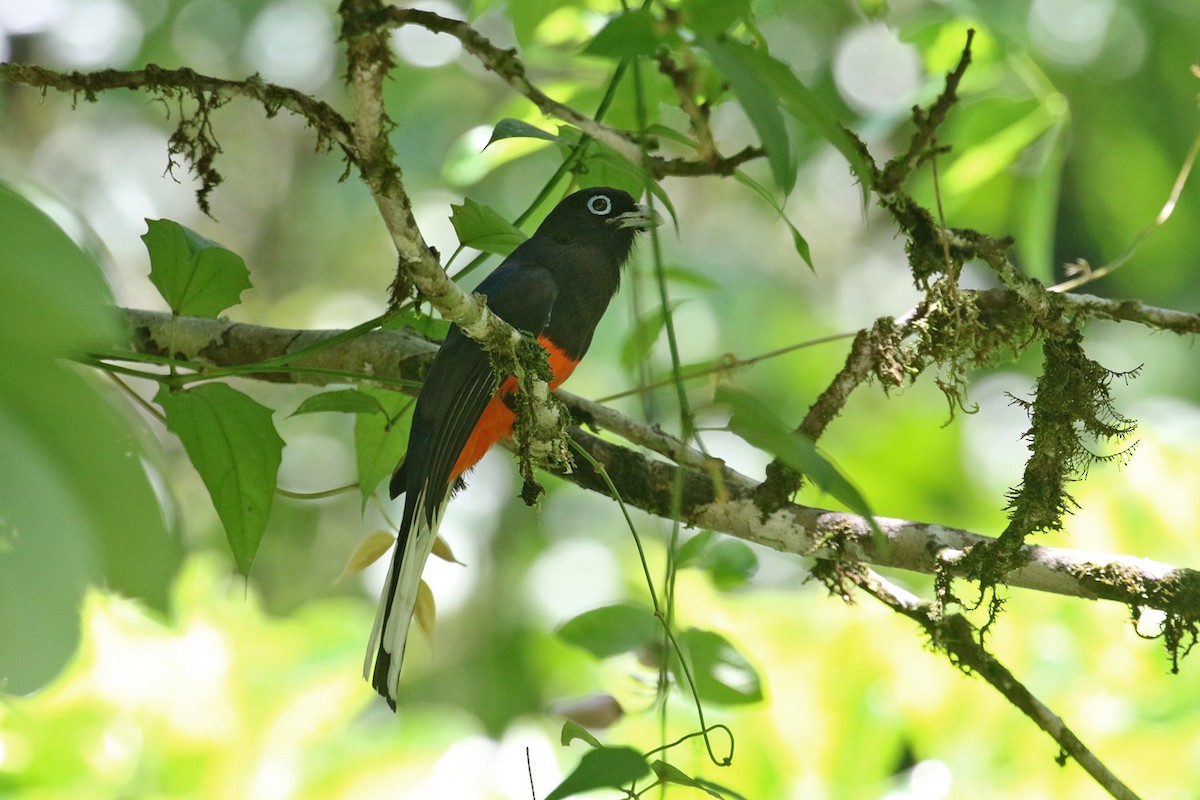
x=328, y=123
x=714, y=496
x=511, y=70
x=899, y=168
x=960, y=640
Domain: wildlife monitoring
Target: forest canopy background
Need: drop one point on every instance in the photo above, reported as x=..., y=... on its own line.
x=1073, y=123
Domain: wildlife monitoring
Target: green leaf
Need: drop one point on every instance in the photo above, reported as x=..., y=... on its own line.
x=798, y=240
x=644, y=334
x=730, y=563
x=380, y=440
x=768, y=79
x=713, y=17
x=759, y=426
x=526, y=16
x=602, y=768
x=483, y=228
x=47, y=314
x=196, y=277
x=722, y=674
x=232, y=442
x=509, y=128
x=611, y=630
x=982, y=161
x=422, y=324
x=573, y=730
x=761, y=105
x=349, y=401
x=76, y=505
x=690, y=553
x=633, y=33
x=663, y=132
x=1037, y=216
x=668, y=773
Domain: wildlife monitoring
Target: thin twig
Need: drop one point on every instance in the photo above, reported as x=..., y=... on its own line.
x=1087, y=275
x=960, y=640
x=927, y=122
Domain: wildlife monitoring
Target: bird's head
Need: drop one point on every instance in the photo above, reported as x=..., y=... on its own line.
x=598, y=217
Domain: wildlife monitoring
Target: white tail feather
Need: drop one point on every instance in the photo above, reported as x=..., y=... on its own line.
x=391, y=633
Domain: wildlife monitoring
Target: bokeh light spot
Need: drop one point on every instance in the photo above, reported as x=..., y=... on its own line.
x=291, y=42
x=875, y=71
x=96, y=33
x=424, y=48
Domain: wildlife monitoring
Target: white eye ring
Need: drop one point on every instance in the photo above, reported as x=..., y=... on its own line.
x=599, y=205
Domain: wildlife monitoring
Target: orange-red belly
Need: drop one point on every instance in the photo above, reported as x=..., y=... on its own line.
x=497, y=420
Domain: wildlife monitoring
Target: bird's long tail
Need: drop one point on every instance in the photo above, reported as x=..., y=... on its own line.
x=399, y=599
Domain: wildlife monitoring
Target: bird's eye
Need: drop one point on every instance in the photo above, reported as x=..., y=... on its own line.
x=599, y=205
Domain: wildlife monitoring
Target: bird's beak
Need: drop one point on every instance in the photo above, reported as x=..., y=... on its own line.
x=641, y=218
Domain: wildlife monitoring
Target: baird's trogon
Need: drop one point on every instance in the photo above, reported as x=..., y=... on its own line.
x=556, y=285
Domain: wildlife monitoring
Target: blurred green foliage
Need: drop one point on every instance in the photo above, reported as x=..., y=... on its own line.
x=1073, y=123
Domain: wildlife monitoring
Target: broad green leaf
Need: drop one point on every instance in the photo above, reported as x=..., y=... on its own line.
x=76, y=505
x=798, y=240
x=483, y=228
x=231, y=441
x=759, y=426
x=380, y=440
x=610, y=630
x=602, y=768
x=350, y=401
x=630, y=34
x=644, y=334
x=722, y=674
x=761, y=104
x=197, y=277
x=509, y=128
x=713, y=17
x=573, y=730
x=55, y=298
x=769, y=79
x=42, y=576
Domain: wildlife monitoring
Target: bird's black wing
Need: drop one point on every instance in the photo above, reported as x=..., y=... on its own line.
x=460, y=382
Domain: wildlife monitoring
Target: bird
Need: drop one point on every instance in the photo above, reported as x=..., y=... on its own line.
x=556, y=285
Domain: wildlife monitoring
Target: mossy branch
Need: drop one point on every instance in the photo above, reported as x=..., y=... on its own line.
x=713, y=495
x=193, y=137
